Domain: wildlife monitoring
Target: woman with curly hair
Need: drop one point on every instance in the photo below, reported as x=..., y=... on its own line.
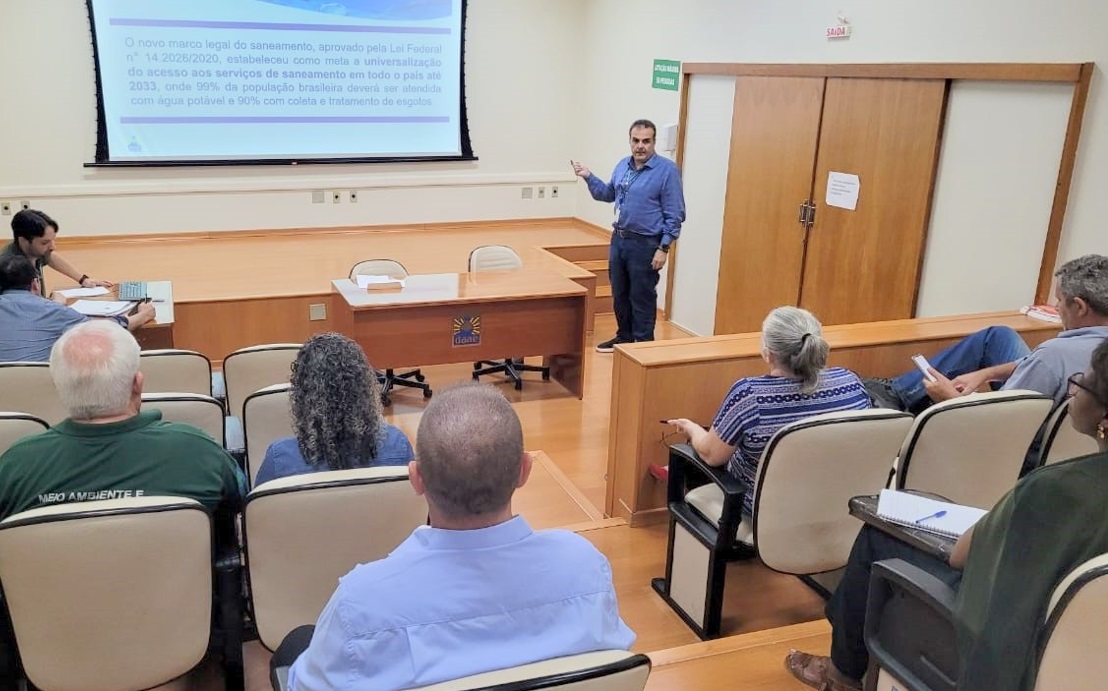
x=336, y=415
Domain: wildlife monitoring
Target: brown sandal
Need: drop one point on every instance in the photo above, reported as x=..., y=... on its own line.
x=818, y=672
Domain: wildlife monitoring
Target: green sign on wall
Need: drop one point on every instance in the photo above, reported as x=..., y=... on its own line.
x=667, y=74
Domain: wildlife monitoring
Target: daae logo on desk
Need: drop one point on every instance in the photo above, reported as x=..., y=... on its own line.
x=467, y=330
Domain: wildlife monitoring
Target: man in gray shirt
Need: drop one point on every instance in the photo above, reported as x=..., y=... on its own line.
x=29, y=323
x=998, y=355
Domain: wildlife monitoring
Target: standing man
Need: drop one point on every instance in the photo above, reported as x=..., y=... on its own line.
x=33, y=236
x=649, y=208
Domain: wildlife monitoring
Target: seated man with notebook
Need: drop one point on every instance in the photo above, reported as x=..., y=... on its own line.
x=29, y=323
x=1004, y=568
x=998, y=355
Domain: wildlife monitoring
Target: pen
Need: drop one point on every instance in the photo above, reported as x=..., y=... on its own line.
x=937, y=514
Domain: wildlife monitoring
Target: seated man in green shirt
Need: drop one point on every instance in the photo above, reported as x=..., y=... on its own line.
x=106, y=448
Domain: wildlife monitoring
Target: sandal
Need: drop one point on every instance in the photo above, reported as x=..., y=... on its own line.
x=818, y=672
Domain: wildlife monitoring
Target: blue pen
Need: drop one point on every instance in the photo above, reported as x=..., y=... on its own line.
x=937, y=514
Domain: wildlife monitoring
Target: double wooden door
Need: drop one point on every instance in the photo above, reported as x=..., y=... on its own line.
x=782, y=244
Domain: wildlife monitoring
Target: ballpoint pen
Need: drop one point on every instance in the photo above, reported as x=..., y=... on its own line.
x=937, y=514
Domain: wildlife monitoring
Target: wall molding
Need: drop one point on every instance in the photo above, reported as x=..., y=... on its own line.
x=298, y=183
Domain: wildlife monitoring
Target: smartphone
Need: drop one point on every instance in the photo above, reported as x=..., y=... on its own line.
x=923, y=365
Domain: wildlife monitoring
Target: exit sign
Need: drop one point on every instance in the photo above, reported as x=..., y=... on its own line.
x=667, y=74
x=840, y=31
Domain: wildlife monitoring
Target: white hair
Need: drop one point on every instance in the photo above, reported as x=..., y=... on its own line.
x=795, y=338
x=93, y=366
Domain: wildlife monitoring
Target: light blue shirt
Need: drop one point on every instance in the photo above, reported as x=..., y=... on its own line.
x=283, y=457
x=30, y=325
x=1048, y=367
x=649, y=201
x=451, y=603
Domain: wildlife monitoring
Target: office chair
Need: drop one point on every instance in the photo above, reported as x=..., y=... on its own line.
x=389, y=379
x=27, y=387
x=501, y=258
x=175, y=371
x=1061, y=441
x=202, y=412
x=16, y=426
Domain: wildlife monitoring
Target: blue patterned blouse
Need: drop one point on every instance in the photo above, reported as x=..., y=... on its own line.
x=756, y=407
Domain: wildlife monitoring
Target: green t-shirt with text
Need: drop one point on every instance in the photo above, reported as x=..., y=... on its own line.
x=139, y=456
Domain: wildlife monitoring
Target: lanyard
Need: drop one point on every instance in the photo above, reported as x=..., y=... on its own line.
x=628, y=179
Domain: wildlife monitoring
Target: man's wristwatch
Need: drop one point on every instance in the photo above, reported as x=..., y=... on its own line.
x=81, y=281
x=663, y=248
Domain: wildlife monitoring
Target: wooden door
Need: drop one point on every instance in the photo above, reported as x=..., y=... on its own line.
x=774, y=134
x=864, y=265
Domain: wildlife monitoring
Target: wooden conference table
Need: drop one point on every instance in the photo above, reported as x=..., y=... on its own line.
x=689, y=377
x=465, y=317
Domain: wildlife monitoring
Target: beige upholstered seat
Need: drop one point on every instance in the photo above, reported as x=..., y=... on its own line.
x=604, y=670
x=266, y=420
x=26, y=387
x=1074, y=636
x=389, y=378
x=1061, y=441
x=249, y=369
x=203, y=412
x=808, y=473
x=970, y=449
x=304, y=532
x=109, y=595
x=501, y=258
x=175, y=371
x=910, y=630
x=16, y=426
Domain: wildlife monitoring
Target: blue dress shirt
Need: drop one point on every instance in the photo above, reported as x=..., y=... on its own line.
x=451, y=603
x=30, y=325
x=649, y=201
x=283, y=457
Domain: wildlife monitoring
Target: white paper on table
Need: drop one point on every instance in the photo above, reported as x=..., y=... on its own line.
x=365, y=281
x=842, y=190
x=84, y=292
x=102, y=308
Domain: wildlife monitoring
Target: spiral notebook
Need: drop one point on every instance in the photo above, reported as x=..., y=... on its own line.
x=922, y=513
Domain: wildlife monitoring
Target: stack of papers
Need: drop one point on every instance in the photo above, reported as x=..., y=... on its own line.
x=84, y=292
x=102, y=308
x=921, y=513
x=1044, y=313
x=379, y=282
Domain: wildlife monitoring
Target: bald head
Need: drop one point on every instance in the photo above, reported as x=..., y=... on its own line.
x=470, y=450
x=94, y=366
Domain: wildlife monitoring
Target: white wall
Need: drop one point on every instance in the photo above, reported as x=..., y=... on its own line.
x=523, y=106
x=623, y=38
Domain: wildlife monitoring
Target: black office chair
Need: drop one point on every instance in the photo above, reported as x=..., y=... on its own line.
x=501, y=258
x=389, y=379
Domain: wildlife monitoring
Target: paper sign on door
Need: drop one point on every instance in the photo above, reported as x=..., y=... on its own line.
x=842, y=190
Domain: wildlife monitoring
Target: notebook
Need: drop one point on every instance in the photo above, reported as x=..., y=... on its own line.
x=370, y=282
x=102, y=308
x=921, y=513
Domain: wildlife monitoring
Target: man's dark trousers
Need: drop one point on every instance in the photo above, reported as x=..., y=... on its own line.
x=634, y=285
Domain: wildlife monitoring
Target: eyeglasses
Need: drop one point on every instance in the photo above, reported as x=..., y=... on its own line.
x=1077, y=381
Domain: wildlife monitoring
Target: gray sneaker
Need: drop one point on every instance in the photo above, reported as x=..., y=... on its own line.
x=882, y=394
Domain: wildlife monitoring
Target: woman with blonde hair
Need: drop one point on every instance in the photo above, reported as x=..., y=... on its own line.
x=799, y=385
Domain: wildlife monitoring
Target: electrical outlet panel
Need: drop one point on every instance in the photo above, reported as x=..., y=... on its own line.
x=353, y=196
x=553, y=191
x=542, y=193
x=336, y=196
x=527, y=193
x=6, y=208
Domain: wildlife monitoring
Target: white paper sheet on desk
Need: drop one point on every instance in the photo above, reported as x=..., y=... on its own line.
x=102, y=308
x=84, y=292
x=365, y=281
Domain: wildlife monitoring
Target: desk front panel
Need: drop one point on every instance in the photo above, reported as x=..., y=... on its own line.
x=419, y=335
x=644, y=394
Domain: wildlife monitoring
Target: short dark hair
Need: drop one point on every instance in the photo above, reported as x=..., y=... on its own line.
x=31, y=223
x=469, y=447
x=645, y=124
x=17, y=272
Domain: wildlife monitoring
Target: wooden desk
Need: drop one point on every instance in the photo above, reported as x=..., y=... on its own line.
x=517, y=313
x=156, y=334
x=689, y=378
